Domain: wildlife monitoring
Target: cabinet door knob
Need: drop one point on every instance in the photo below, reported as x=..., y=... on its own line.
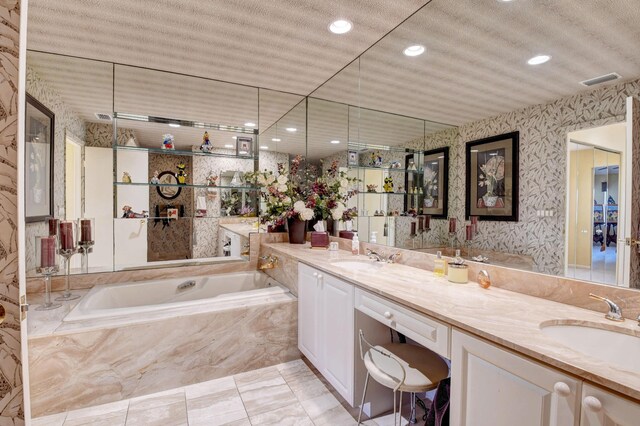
x=592, y=403
x=387, y=314
x=319, y=276
x=315, y=274
x=562, y=389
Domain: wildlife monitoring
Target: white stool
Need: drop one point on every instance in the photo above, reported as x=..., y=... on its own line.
x=401, y=367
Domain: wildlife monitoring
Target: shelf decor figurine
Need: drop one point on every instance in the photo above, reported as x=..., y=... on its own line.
x=388, y=184
x=212, y=181
x=68, y=236
x=182, y=174
x=167, y=141
x=47, y=265
x=372, y=187
x=128, y=213
x=126, y=177
x=376, y=160
x=155, y=180
x=206, y=146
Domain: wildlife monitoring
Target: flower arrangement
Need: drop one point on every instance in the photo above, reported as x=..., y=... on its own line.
x=329, y=194
x=283, y=193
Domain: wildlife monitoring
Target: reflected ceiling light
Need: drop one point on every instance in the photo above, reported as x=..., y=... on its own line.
x=264, y=147
x=340, y=26
x=415, y=50
x=537, y=60
x=234, y=137
x=276, y=139
x=250, y=124
x=174, y=125
x=228, y=146
x=434, y=162
x=291, y=129
x=335, y=142
x=493, y=153
x=474, y=150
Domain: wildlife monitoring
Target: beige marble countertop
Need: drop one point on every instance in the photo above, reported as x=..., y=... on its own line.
x=507, y=318
x=242, y=229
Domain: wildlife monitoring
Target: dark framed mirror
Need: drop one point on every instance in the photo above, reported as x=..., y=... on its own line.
x=435, y=183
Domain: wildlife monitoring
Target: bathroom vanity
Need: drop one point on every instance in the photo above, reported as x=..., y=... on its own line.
x=505, y=369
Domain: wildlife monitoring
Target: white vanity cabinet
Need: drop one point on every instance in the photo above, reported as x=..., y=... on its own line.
x=325, y=327
x=491, y=386
x=602, y=408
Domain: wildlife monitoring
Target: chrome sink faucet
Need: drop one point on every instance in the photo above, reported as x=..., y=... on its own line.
x=373, y=255
x=615, y=313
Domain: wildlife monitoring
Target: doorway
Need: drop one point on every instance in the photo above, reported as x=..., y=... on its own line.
x=595, y=200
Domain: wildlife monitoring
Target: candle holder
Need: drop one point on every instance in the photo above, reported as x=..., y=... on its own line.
x=68, y=234
x=452, y=240
x=47, y=266
x=86, y=242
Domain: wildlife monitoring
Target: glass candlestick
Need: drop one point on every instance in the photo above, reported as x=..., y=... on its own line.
x=68, y=237
x=86, y=242
x=47, y=265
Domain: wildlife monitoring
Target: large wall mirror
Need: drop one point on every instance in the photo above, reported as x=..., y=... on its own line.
x=158, y=160
x=575, y=216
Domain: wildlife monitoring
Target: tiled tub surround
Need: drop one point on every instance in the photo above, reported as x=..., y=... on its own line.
x=81, y=364
x=504, y=317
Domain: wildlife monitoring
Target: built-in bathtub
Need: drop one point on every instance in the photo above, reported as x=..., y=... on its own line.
x=132, y=339
x=112, y=301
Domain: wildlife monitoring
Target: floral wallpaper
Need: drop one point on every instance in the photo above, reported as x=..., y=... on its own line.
x=101, y=135
x=172, y=239
x=11, y=405
x=543, y=130
x=66, y=120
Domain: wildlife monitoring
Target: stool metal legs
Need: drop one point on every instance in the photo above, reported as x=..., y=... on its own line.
x=412, y=414
x=364, y=393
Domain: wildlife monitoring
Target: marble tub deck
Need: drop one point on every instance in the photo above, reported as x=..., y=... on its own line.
x=285, y=394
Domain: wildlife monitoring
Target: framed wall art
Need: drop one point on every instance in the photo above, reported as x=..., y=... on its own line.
x=436, y=183
x=492, y=178
x=39, y=151
x=244, y=146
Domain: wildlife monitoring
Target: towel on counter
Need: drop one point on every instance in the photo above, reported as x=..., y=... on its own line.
x=439, y=412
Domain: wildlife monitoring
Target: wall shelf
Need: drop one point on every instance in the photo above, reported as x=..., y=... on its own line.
x=184, y=152
x=240, y=188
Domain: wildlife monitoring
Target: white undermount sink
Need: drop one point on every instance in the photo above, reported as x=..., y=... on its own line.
x=358, y=265
x=618, y=348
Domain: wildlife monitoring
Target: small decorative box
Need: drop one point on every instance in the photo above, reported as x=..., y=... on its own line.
x=319, y=239
x=346, y=234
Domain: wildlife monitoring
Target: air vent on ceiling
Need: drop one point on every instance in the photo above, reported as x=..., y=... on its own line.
x=101, y=116
x=602, y=79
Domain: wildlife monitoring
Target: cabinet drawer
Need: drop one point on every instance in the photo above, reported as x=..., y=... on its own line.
x=428, y=332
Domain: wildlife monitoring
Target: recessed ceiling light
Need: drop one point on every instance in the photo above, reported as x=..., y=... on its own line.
x=174, y=125
x=228, y=146
x=275, y=139
x=264, y=147
x=415, y=50
x=291, y=129
x=340, y=26
x=250, y=124
x=493, y=153
x=434, y=162
x=335, y=142
x=505, y=1
x=537, y=60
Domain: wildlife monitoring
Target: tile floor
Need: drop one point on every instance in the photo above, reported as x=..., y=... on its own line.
x=285, y=394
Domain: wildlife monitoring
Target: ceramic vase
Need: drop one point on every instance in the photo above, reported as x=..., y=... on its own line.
x=297, y=230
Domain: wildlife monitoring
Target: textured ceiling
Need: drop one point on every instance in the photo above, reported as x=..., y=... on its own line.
x=277, y=44
x=475, y=65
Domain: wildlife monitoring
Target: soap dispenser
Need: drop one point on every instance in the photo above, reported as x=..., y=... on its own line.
x=439, y=265
x=355, y=245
